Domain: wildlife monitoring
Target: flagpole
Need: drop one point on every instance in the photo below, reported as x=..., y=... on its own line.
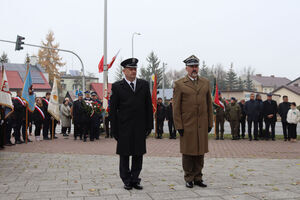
x=105, y=70
x=52, y=128
x=26, y=126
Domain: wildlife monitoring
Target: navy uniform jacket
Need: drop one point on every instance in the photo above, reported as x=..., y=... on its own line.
x=131, y=116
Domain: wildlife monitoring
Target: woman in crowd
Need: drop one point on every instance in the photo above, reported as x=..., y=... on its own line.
x=65, y=117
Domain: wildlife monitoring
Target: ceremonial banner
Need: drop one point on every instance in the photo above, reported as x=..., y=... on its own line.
x=5, y=95
x=27, y=93
x=154, y=94
x=53, y=107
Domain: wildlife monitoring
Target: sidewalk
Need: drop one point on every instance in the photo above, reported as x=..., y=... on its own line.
x=90, y=177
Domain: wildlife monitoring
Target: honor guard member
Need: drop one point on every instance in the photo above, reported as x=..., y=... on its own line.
x=242, y=127
x=95, y=120
x=220, y=119
x=193, y=118
x=233, y=116
x=89, y=125
x=160, y=116
x=87, y=96
x=169, y=117
x=17, y=116
x=131, y=122
x=47, y=122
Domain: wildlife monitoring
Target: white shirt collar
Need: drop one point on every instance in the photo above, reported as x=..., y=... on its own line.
x=193, y=79
x=134, y=83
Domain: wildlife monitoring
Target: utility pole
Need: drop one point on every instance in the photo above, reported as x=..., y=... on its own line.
x=19, y=44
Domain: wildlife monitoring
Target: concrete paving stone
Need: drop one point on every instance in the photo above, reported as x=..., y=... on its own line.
x=47, y=183
x=172, y=195
x=204, y=192
x=104, y=186
x=3, y=188
x=109, y=197
x=134, y=197
x=246, y=190
x=71, y=198
x=40, y=195
x=277, y=195
x=83, y=193
x=116, y=191
x=8, y=196
x=29, y=188
x=59, y=187
x=204, y=198
x=239, y=197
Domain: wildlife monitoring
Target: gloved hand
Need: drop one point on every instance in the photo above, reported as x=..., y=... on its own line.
x=180, y=131
x=209, y=129
x=148, y=132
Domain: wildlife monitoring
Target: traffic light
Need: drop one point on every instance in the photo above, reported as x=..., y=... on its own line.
x=19, y=43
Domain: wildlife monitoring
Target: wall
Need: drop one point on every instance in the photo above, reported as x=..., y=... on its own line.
x=293, y=97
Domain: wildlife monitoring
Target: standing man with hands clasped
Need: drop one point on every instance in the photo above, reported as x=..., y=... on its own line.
x=131, y=122
x=193, y=118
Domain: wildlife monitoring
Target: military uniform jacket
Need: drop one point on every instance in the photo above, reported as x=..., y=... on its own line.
x=161, y=112
x=233, y=112
x=131, y=115
x=220, y=112
x=19, y=109
x=270, y=107
x=192, y=111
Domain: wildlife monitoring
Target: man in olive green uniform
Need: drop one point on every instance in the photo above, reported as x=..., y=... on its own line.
x=233, y=115
x=193, y=118
x=220, y=119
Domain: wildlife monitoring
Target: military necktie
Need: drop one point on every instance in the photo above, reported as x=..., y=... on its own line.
x=132, y=86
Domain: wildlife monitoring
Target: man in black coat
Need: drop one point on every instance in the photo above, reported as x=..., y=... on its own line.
x=47, y=122
x=169, y=117
x=259, y=120
x=243, y=119
x=95, y=120
x=283, y=109
x=17, y=116
x=131, y=122
x=80, y=118
x=252, y=115
x=270, y=111
x=160, y=116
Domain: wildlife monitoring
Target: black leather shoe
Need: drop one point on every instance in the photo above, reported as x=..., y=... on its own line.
x=137, y=186
x=18, y=142
x=200, y=183
x=127, y=187
x=46, y=138
x=189, y=184
x=55, y=137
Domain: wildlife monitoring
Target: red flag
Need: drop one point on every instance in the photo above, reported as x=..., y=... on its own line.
x=113, y=60
x=154, y=94
x=216, y=97
x=100, y=66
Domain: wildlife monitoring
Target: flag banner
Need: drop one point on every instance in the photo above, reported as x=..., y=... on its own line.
x=154, y=94
x=101, y=63
x=5, y=95
x=53, y=107
x=28, y=93
x=216, y=100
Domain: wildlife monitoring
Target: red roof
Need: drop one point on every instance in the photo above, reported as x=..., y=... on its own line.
x=98, y=88
x=15, y=81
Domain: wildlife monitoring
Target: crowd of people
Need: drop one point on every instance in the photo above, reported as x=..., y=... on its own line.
x=256, y=112
x=85, y=125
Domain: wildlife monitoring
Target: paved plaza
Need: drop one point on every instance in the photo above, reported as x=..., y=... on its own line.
x=68, y=169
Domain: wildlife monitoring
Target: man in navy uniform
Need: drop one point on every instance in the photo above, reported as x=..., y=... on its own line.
x=270, y=111
x=131, y=122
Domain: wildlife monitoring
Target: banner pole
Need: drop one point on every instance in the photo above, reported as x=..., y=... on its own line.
x=26, y=125
x=215, y=120
x=52, y=129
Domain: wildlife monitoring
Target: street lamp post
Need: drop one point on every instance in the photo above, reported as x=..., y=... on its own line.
x=135, y=33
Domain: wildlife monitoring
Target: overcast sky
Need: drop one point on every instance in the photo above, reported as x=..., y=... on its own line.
x=264, y=34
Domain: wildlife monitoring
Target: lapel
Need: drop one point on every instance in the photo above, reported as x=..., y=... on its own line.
x=138, y=85
x=126, y=87
x=188, y=82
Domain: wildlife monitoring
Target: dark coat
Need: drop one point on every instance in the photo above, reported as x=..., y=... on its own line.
x=80, y=116
x=243, y=113
x=169, y=112
x=161, y=112
x=37, y=118
x=283, y=109
x=259, y=109
x=19, y=110
x=131, y=116
x=270, y=107
x=251, y=110
x=45, y=108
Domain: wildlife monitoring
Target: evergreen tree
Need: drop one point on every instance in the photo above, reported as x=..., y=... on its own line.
x=231, y=81
x=49, y=58
x=204, y=70
x=249, y=83
x=119, y=72
x=151, y=69
x=4, y=58
x=240, y=84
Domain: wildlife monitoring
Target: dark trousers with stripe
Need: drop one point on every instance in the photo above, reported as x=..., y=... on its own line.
x=131, y=176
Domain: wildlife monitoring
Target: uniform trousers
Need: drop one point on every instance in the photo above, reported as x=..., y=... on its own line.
x=172, y=129
x=268, y=124
x=234, y=125
x=243, y=126
x=192, y=167
x=38, y=127
x=160, y=127
x=220, y=126
x=131, y=176
x=250, y=122
x=285, y=129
